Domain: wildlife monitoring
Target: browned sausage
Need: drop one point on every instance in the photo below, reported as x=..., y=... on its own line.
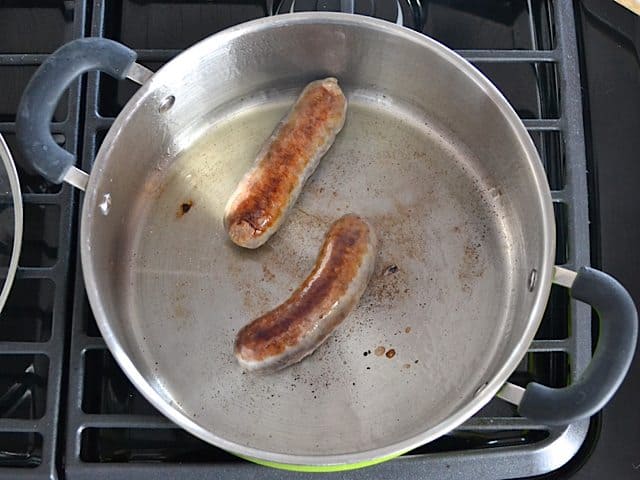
x=294, y=329
x=266, y=193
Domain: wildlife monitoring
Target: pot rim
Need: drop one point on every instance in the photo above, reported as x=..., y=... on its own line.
x=362, y=458
x=18, y=219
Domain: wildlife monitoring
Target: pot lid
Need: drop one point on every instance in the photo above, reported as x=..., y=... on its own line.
x=10, y=221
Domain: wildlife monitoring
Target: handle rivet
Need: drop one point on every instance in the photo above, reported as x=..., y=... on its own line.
x=533, y=278
x=480, y=389
x=166, y=103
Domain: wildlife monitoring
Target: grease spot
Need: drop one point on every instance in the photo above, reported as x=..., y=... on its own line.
x=267, y=274
x=472, y=267
x=184, y=208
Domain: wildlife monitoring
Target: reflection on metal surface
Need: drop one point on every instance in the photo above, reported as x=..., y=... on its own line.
x=12, y=205
x=105, y=205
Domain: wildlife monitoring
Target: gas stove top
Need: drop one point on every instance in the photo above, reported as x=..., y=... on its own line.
x=68, y=411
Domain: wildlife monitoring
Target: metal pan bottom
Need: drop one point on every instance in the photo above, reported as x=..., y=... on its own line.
x=414, y=351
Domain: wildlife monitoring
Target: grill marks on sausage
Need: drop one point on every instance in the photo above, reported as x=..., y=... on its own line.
x=295, y=143
x=337, y=266
x=285, y=161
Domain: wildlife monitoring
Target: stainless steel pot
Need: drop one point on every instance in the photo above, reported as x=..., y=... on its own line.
x=11, y=217
x=431, y=152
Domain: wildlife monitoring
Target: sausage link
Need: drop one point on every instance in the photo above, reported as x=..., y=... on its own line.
x=294, y=329
x=268, y=191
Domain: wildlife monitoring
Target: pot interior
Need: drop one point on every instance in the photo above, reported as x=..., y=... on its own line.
x=429, y=153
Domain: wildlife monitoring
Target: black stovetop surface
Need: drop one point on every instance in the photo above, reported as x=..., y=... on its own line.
x=35, y=369
x=610, y=68
x=610, y=56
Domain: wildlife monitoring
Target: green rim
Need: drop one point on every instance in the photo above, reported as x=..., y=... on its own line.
x=322, y=468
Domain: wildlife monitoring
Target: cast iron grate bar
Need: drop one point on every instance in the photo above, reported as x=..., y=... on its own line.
x=56, y=127
x=28, y=445
x=509, y=55
x=132, y=421
x=30, y=59
x=467, y=452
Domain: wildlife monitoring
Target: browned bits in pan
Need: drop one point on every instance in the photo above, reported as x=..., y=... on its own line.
x=184, y=208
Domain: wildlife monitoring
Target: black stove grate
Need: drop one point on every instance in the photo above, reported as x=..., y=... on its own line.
x=33, y=322
x=527, y=47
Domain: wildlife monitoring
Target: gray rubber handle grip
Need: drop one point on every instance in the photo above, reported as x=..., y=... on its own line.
x=40, y=153
x=609, y=365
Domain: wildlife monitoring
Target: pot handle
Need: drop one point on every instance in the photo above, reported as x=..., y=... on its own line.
x=41, y=153
x=609, y=365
